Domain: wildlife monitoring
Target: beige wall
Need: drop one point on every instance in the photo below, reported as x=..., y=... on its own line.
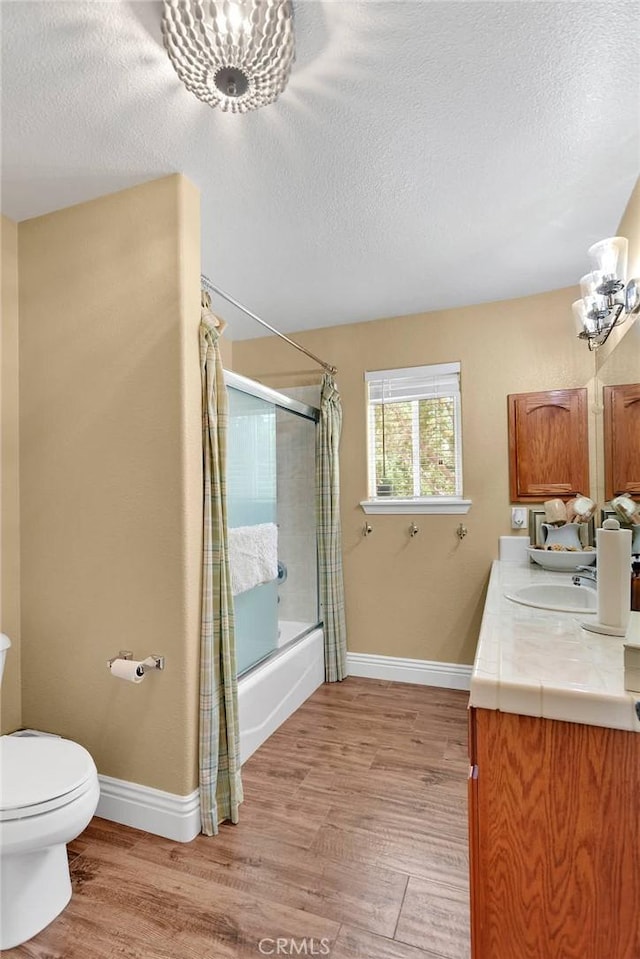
x=110, y=476
x=9, y=478
x=422, y=598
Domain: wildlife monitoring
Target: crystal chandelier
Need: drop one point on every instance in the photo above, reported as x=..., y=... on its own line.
x=232, y=54
x=607, y=298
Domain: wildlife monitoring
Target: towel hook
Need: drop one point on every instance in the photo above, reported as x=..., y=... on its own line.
x=367, y=529
x=413, y=530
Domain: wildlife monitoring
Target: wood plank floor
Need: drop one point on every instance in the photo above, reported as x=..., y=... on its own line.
x=353, y=834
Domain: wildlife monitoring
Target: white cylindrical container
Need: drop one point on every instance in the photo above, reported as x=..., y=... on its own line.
x=614, y=577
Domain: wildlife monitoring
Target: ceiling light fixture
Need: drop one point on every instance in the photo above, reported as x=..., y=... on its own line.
x=233, y=55
x=607, y=299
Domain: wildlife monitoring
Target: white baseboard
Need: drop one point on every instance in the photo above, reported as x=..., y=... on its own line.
x=399, y=670
x=178, y=817
x=266, y=698
x=164, y=814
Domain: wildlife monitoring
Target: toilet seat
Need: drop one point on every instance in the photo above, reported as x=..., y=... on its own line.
x=40, y=774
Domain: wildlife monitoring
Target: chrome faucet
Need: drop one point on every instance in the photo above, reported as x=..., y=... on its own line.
x=585, y=576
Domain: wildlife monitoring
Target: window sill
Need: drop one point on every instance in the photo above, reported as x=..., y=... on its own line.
x=407, y=506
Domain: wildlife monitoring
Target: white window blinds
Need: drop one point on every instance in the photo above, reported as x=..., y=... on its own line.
x=415, y=444
x=413, y=383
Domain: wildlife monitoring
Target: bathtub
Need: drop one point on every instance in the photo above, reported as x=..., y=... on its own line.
x=271, y=692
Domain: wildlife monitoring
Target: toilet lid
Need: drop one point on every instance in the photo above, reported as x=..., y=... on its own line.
x=40, y=773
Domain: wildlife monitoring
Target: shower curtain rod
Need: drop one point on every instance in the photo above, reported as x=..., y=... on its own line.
x=208, y=285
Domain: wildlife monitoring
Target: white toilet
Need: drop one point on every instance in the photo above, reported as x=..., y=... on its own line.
x=48, y=793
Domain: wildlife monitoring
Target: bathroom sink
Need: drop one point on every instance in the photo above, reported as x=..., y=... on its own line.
x=562, y=597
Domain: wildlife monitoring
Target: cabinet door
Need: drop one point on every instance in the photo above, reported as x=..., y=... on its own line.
x=558, y=834
x=622, y=440
x=548, y=445
x=475, y=877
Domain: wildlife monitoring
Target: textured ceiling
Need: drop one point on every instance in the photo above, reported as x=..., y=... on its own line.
x=424, y=155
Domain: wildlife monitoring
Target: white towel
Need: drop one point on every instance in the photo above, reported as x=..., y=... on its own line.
x=253, y=556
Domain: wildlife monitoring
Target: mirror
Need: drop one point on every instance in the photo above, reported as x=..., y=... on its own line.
x=615, y=365
x=617, y=362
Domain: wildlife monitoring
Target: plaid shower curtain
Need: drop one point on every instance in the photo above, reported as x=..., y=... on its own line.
x=329, y=531
x=219, y=755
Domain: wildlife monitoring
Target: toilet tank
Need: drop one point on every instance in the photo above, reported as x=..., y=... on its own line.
x=5, y=642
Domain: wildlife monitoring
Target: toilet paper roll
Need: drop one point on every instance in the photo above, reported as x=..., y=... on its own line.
x=580, y=509
x=555, y=511
x=614, y=576
x=627, y=510
x=128, y=669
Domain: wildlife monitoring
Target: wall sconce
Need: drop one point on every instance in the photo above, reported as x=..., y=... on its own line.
x=231, y=54
x=607, y=299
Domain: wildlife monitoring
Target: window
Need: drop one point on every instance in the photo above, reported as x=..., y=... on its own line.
x=415, y=442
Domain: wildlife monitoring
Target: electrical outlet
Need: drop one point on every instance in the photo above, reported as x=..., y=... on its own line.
x=519, y=516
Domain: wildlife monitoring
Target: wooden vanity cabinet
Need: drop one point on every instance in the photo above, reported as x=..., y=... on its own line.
x=548, y=445
x=554, y=827
x=622, y=440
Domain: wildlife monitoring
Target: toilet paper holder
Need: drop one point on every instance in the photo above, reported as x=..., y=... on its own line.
x=154, y=661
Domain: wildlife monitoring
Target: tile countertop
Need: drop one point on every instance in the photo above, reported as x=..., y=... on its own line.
x=536, y=662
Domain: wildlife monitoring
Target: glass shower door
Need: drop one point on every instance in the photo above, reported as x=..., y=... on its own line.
x=251, y=499
x=297, y=547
